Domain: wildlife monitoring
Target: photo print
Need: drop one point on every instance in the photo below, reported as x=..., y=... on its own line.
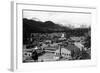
x=56, y=36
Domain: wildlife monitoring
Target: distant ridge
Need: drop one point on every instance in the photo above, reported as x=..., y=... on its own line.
x=33, y=26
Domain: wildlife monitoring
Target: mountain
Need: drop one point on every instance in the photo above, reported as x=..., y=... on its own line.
x=38, y=26
x=33, y=26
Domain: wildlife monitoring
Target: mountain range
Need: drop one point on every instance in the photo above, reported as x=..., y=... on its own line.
x=33, y=26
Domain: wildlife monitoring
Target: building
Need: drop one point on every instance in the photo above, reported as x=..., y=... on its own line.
x=79, y=45
x=77, y=39
x=75, y=51
x=62, y=37
x=68, y=52
x=63, y=52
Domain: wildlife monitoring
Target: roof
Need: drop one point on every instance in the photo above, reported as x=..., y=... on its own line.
x=77, y=38
x=73, y=48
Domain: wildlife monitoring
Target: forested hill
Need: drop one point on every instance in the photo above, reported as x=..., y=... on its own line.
x=32, y=26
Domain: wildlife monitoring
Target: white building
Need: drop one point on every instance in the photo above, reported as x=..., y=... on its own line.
x=64, y=52
x=62, y=37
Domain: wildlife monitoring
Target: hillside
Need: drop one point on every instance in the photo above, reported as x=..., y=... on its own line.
x=32, y=26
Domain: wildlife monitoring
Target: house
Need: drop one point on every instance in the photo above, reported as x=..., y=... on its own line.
x=44, y=46
x=68, y=51
x=64, y=52
x=75, y=51
x=79, y=45
x=62, y=37
x=77, y=39
x=48, y=41
x=54, y=45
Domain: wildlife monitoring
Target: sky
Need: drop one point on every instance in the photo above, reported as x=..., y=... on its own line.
x=63, y=18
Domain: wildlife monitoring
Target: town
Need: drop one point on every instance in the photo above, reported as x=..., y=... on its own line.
x=56, y=46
